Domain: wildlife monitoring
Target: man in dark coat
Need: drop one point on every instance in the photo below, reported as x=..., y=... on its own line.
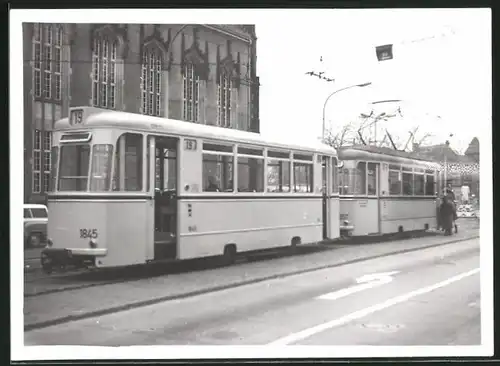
x=451, y=197
x=448, y=215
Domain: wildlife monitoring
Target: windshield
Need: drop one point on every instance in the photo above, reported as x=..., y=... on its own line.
x=101, y=168
x=74, y=167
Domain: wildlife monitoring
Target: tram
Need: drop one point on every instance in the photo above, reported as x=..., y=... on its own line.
x=130, y=189
x=383, y=191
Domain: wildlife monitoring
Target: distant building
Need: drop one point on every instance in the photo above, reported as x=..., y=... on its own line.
x=196, y=73
x=461, y=169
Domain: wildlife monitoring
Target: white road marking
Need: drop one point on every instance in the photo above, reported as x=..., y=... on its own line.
x=366, y=282
x=295, y=337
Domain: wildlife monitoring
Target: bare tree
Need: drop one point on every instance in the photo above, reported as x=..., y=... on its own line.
x=343, y=137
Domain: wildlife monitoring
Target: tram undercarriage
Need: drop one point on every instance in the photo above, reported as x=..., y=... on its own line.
x=64, y=259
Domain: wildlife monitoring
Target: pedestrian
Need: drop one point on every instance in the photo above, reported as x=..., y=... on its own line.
x=452, y=199
x=447, y=215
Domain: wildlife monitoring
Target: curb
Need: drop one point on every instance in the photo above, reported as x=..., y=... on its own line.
x=142, y=303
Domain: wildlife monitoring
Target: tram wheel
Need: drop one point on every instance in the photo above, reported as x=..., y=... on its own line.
x=229, y=256
x=296, y=240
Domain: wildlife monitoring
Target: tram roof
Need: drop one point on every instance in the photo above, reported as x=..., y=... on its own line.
x=363, y=152
x=96, y=118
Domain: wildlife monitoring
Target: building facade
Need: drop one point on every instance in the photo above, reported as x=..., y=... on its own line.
x=461, y=169
x=194, y=73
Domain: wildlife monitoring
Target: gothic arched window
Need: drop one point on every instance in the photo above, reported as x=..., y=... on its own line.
x=104, y=58
x=191, y=93
x=151, y=81
x=224, y=87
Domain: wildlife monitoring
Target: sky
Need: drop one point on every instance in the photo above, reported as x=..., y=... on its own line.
x=441, y=71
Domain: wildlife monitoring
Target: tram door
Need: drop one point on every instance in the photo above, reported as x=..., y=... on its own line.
x=165, y=201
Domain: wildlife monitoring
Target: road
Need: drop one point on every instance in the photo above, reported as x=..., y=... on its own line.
x=428, y=297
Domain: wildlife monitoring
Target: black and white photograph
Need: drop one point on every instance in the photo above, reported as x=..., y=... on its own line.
x=242, y=183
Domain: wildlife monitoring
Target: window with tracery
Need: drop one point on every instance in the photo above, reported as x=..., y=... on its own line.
x=224, y=100
x=104, y=58
x=191, y=93
x=151, y=82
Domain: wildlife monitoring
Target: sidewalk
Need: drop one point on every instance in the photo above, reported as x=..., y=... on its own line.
x=58, y=307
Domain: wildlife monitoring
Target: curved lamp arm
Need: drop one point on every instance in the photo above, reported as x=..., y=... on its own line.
x=332, y=94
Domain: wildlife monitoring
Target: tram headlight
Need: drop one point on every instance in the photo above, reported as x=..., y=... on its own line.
x=50, y=243
x=93, y=243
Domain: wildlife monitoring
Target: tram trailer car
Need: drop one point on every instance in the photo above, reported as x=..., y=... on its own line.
x=130, y=189
x=383, y=191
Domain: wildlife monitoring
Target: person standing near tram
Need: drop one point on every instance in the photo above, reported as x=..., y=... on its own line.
x=450, y=195
x=447, y=215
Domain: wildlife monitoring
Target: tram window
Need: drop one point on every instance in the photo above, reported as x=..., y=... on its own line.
x=278, y=176
x=408, y=184
x=27, y=213
x=216, y=147
x=101, y=168
x=278, y=154
x=306, y=157
x=430, y=189
x=360, y=181
x=419, y=181
x=53, y=169
x=39, y=213
x=250, y=174
x=302, y=177
x=335, y=180
x=217, y=173
x=128, y=163
x=250, y=151
x=394, y=182
x=74, y=167
x=371, y=176
x=346, y=180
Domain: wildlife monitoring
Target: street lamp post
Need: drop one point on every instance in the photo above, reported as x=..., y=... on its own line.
x=335, y=92
x=383, y=114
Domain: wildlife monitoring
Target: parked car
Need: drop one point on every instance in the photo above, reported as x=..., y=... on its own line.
x=35, y=225
x=465, y=211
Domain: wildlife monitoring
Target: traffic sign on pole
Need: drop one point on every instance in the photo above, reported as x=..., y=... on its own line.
x=384, y=52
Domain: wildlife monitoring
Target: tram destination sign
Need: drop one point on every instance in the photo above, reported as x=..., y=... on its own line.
x=76, y=117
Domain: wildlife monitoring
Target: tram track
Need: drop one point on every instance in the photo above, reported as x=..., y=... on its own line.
x=83, y=279
x=123, y=275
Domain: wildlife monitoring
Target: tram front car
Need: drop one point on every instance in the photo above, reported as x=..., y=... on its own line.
x=95, y=209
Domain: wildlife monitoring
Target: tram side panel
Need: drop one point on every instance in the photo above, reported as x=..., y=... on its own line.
x=410, y=214
x=133, y=241
x=361, y=214
x=334, y=214
x=118, y=229
x=206, y=226
x=72, y=224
